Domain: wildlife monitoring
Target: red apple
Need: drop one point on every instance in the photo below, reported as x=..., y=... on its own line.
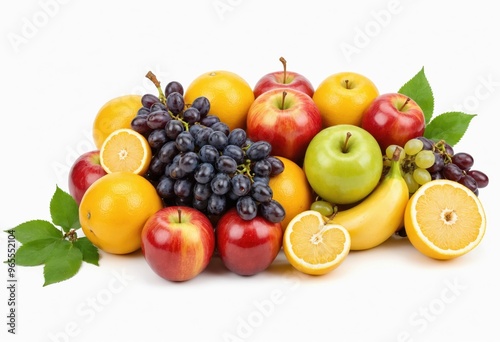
x=85, y=170
x=247, y=247
x=393, y=118
x=286, y=118
x=178, y=242
x=283, y=79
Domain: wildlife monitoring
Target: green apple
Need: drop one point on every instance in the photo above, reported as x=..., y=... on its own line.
x=343, y=163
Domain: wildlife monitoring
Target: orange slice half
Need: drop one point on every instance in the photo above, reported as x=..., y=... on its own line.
x=125, y=150
x=444, y=219
x=314, y=246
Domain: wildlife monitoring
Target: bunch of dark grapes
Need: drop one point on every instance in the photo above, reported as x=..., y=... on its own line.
x=199, y=162
x=425, y=160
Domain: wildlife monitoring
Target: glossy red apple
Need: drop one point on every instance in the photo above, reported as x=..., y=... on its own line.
x=178, y=242
x=286, y=118
x=393, y=118
x=85, y=170
x=247, y=247
x=283, y=79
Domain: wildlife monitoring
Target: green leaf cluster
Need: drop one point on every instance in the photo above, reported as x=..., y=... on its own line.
x=55, y=244
x=448, y=126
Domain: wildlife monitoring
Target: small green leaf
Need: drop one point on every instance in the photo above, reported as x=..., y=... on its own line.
x=450, y=126
x=36, y=252
x=63, y=264
x=64, y=210
x=419, y=90
x=36, y=230
x=89, y=251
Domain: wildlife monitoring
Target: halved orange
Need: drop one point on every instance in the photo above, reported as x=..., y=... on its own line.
x=444, y=219
x=313, y=245
x=125, y=150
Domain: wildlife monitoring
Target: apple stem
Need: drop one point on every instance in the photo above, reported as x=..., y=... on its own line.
x=179, y=212
x=283, y=100
x=404, y=104
x=348, y=136
x=152, y=78
x=347, y=85
x=283, y=61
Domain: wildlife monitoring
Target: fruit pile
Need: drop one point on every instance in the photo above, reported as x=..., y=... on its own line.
x=225, y=171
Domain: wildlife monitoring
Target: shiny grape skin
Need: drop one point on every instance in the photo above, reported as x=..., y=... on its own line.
x=480, y=177
x=174, y=87
x=158, y=119
x=202, y=104
x=463, y=160
x=157, y=138
x=241, y=185
x=148, y=100
x=259, y=150
x=428, y=143
x=237, y=137
x=140, y=125
x=277, y=165
x=438, y=163
x=469, y=182
x=167, y=152
x=175, y=103
x=272, y=211
x=247, y=208
x=452, y=172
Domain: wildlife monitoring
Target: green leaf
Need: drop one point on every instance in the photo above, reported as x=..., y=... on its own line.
x=63, y=264
x=36, y=230
x=419, y=90
x=36, y=252
x=449, y=126
x=64, y=210
x=89, y=251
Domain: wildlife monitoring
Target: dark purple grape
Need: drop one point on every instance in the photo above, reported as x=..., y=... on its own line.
x=156, y=167
x=272, y=211
x=262, y=168
x=463, y=160
x=202, y=104
x=209, y=120
x=158, y=106
x=208, y=154
x=143, y=111
x=277, y=165
x=195, y=128
x=174, y=128
x=165, y=187
x=218, y=140
x=259, y=179
x=452, y=172
x=241, y=185
x=167, y=152
x=222, y=127
x=261, y=192
x=174, y=87
x=438, y=163
x=191, y=115
x=480, y=177
x=148, y=100
x=157, y=138
x=469, y=182
x=188, y=161
x=158, y=119
x=259, y=150
x=437, y=175
x=202, y=191
x=216, y=204
x=428, y=143
x=201, y=137
x=246, y=207
x=184, y=142
x=237, y=137
x=200, y=205
x=183, y=187
x=220, y=184
x=140, y=125
x=234, y=152
x=204, y=173
x=448, y=149
x=175, y=103
x=175, y=171
x=226, y=164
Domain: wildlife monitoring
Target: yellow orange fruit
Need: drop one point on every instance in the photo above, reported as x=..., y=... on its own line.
x=114, y=210
x=444, y=219
x=313, y=245
x=343, y=97
x=115, y=114
x=229, y=94
x=292, y=190
x=125, y=150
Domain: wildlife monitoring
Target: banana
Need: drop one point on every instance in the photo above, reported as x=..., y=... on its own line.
x=379, y=215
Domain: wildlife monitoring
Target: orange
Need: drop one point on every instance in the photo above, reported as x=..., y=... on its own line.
x=291, y=189
x=125, y=150
x=114, y=114
x=444, y=219
x=343, y=97
x=114, y=210
x=229, y=94
x=313, y=245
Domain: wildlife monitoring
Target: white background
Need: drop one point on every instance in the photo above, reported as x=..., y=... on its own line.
x=62, y=60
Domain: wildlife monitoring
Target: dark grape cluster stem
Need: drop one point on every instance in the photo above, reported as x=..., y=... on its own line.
x=199, y=162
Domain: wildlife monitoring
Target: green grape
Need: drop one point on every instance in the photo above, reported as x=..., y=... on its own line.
x=421, y=176
x=410, y=182
x=389, y=152
x=425, y=159
x=322, y=207
x=413, y=146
